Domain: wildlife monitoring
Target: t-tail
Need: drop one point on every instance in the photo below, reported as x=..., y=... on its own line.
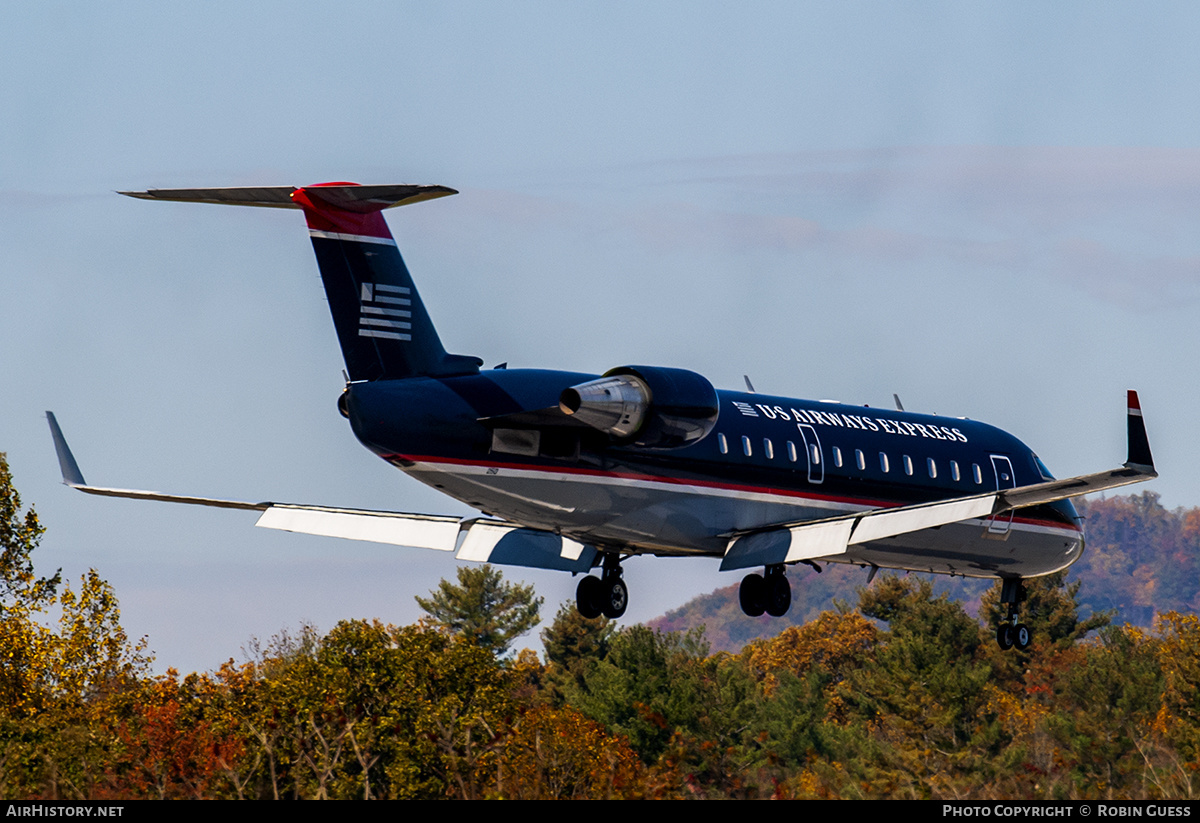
x=382, y=325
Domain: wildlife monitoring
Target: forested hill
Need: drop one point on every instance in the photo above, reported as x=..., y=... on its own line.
x=1141, y=559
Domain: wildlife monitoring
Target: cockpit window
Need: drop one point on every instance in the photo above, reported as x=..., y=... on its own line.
x=1041, y=467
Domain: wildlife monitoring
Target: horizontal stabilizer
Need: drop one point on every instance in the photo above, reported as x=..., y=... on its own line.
x=362, y=199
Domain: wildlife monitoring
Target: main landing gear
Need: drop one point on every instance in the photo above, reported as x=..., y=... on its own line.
x=769, y=592
x=1010, y=632
x=605, y=595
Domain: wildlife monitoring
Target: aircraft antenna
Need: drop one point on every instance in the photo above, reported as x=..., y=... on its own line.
x=749, y=385
x=899, y=405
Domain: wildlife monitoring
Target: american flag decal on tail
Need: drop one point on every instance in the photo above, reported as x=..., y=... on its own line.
x=384, y=311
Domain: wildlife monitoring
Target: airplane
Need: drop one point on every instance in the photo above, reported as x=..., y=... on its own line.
x=579, y=472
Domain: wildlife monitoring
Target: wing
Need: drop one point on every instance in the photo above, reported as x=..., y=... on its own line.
x=833, y=536
x=484, y=540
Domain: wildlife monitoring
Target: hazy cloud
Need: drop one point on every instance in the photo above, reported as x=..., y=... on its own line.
x=1114, y=222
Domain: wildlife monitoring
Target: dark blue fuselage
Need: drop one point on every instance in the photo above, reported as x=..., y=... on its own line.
x=767, y=460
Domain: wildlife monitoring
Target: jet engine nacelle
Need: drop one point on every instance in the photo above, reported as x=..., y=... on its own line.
x=649, y=406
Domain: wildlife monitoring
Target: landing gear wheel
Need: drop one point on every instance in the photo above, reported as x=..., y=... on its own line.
x=752, y=595
x=779, y=595
x=616, y=598
x=589, y=597
x=1011, y=633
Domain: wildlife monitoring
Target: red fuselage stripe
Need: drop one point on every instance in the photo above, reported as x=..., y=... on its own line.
x=712, y=484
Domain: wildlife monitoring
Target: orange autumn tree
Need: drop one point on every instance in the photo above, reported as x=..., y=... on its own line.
x=55, y=681
x=558, y=754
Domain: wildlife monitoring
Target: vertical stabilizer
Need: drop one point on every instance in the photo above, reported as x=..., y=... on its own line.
x=382, y=325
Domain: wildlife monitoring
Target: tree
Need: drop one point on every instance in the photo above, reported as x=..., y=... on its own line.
x=55, y=686
x=834, y=642
x=28, y=646
x=574, y=645
x=483, y=607
x=559, y=754
x=922, y=695
x=1106, y=697
x=1051, y=608
x=650, y=684
x=20, y=589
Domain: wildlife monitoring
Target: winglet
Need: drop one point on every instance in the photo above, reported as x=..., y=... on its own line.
x=1139, y=443
x=71, y=474
x=73, y=477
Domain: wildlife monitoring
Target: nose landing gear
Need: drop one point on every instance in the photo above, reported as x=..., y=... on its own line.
x=1011, y=632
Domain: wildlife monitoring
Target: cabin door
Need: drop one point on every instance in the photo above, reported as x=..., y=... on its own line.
x=812, y=452
x=1005, y=479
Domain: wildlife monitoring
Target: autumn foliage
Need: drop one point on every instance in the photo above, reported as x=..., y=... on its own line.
x=904, y=695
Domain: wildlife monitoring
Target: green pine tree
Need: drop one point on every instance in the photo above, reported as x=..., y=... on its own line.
x=483, y=607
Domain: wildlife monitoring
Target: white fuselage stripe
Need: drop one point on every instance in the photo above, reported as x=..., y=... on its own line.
x=493, y=474
x=354, y=238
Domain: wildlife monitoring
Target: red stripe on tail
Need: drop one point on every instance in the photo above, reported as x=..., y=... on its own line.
x=323, y=216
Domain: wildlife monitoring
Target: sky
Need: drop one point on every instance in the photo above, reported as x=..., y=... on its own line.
x=987, y=208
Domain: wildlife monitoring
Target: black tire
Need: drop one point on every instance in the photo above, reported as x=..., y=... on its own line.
x=589, y=597
x=1022, y=637
x=1004, y=636
x=616, y=598
x=752, y=595
x=779, y=595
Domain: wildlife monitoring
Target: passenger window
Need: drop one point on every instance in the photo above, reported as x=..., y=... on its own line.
x=837, y=457
x=883, y=462
x=722, y=443
x=908, y=469
x=976, y=473
x=814, y=456
x=954, y=473
x=932, y=466
x=860, y=460
x=768, y=448
x=749, y=452
x=792, y=451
